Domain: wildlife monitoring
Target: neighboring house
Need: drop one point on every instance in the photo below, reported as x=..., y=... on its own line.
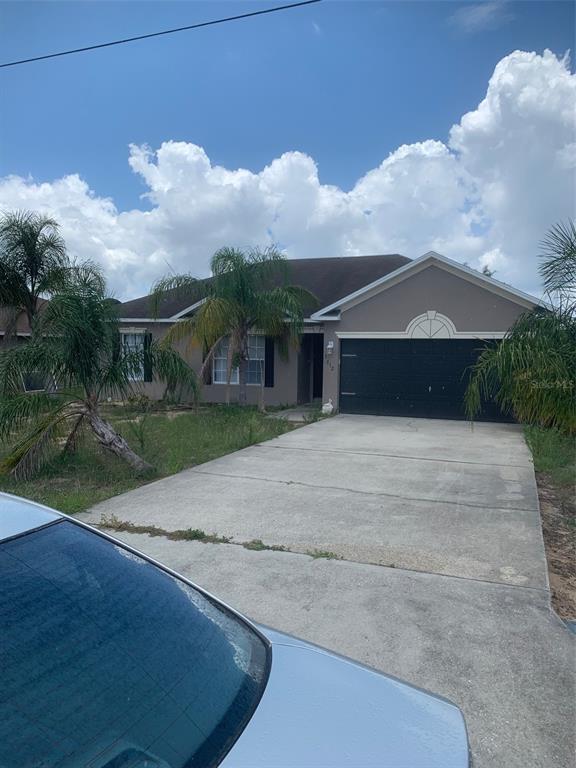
x=19, y=332
x=16, y=323
x=388, y=336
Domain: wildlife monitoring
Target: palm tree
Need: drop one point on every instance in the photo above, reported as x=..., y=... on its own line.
x=33, y=261
x=532, y=372
x=247, y=291
x=76, y=343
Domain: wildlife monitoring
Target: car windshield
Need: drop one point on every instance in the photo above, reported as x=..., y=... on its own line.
x=108, y=661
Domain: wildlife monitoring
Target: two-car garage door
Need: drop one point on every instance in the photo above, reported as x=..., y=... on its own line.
x=408, y=377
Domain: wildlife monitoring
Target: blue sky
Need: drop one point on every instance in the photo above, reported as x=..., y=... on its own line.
x=336, y=129
x=345, y=82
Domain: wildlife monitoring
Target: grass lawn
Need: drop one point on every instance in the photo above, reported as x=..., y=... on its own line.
x=554, y=453
x=170, y=441
x=555, y=464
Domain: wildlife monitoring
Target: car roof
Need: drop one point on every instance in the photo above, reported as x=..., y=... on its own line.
x=21, y=515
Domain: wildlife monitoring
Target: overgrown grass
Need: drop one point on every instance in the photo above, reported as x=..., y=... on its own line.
x=170, y=442
x=554, y=453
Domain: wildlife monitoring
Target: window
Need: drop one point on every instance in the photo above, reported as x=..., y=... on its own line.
x=37, y=382
x=220, y=365
x=256, y=361
x=110, y=662
x=134, y=343
x=255, y=372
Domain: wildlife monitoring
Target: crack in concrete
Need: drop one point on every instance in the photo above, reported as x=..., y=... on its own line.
x=113, y=523
x=122, y=526
x=363, y=493
x=387, y=455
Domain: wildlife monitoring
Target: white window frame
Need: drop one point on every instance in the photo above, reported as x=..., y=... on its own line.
x=140, y=332
x=260, y=342
x=235, y=373
x=50, y=383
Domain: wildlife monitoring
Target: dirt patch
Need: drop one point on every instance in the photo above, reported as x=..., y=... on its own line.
x=558, y=511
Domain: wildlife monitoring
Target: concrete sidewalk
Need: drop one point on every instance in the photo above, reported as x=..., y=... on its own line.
x=465, y=609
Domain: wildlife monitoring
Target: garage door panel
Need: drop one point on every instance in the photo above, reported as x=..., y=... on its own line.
x=419, y=377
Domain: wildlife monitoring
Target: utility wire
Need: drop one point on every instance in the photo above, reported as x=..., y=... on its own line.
x=158, y=34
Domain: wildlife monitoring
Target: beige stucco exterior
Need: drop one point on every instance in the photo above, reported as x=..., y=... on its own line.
x=466, y=304
x=473, y=309
x=284, y=391
x=391, y=307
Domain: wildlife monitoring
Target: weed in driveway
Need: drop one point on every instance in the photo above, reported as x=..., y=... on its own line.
x=258, y=545
x=187, y=534
x=113, y=523
x=325, y=553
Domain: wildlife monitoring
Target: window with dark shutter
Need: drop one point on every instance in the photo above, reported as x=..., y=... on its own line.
x=208, y=371
x=269, y=362
x=147, y=357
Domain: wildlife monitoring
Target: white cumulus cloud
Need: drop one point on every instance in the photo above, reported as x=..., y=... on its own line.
x=486, y=196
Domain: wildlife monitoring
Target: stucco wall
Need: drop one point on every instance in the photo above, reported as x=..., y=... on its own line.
x=283, y=392
x=471, y=308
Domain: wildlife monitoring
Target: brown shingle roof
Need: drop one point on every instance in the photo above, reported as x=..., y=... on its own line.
x=328, y=279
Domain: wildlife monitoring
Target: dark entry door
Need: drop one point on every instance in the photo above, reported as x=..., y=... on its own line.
x=305, y=369
x=408, y=377
x=310, y=366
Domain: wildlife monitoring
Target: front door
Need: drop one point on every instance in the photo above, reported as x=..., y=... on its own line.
x=310, y=367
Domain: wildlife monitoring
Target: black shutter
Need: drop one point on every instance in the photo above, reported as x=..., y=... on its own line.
x=208, y=373
x=147, y=357
x=269, y=362
x=117, y=342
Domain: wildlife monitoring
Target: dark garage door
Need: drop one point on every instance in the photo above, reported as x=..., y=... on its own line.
x=408, y=377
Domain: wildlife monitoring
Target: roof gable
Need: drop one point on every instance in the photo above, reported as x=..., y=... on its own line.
x=413, y=267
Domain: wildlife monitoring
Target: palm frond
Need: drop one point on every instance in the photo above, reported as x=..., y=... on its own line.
x=531, y=372
x=176, y=286
x=171, y=368
x=215, y=318
x=208, y=359
x=31, y=248
x=281, y=306
x=558, y=267
x=183, y=330
x=21, y=409
x=117, y=373
x=16, y=363
x=248, y=290
x=8, y=320
x=32, y=451
x=269, y=263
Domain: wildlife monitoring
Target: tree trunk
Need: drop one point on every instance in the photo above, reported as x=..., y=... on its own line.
x=242, y=371
x=72, y=440
x=115, y=443
x=261, y=405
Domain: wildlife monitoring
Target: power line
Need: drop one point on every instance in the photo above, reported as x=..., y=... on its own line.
x=158, y=34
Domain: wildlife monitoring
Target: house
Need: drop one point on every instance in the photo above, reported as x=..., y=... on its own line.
x=16, y=322
x=389, y=336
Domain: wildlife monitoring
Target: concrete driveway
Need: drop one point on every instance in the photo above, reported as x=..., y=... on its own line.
x=442, y=578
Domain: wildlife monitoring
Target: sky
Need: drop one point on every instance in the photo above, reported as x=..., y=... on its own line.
x=335, y=129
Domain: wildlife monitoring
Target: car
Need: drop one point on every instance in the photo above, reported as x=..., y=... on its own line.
x=112, y=660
